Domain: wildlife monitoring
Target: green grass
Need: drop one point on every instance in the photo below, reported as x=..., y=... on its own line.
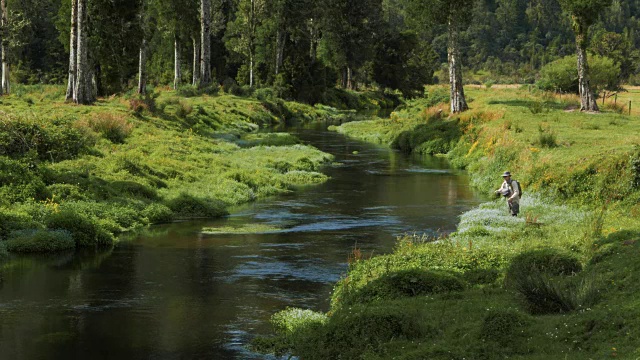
x=127, y=161
x=559, y=282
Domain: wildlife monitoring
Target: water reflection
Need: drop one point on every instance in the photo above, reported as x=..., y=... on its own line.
x=172, y=292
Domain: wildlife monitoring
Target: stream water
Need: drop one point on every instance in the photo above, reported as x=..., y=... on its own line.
x=173, y=293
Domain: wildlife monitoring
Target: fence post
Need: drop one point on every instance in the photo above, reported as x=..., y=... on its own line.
x=629, y=107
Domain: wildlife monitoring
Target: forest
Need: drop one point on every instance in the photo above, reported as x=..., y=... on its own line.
x=301, y=48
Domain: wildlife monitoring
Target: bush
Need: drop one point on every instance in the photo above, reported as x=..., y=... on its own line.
x=405, y=283
x=38, y=240
x=547, y=140
x=562, y=74
x=113, y=127
x=506, y=328
x=435, y=95
x=84, y=231
x=21, y=180
x=157, y=213
x=188, y=206
x=188, y=90
x=536, y=276
x=183, y=110
x=547, y=261
x=51, y=140
x=265, y=94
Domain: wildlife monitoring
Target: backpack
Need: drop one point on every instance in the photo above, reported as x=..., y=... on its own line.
x=519, y=187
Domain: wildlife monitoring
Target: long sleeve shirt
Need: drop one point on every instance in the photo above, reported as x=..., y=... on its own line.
x=513, y=189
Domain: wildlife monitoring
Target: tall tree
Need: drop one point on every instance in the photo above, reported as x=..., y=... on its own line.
x=456, y=15
x=205, y=43
x=72, y=51
x=242, y=35
x=5, y=87
x=583, y=14
x=142, y=62
x=83, y=87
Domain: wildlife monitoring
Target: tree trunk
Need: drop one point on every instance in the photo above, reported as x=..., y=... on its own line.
x=72, y=51
x=251, y=69
x=349, y=78
x=343, y=78
x=281, y=38
x=83, y=88
x=313, y=49
x=196, y=62
x=458, y=102
x=5, y=86
x=205, y=28
x=142, y=68
x=587, y=97
x=177, y=71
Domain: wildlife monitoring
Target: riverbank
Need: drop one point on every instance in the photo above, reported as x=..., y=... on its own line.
x=561, y=281
x=78, y=176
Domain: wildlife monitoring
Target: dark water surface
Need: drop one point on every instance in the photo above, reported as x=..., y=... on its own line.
x=174, y=293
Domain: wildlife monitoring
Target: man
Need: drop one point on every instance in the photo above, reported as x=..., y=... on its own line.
x=511, y=191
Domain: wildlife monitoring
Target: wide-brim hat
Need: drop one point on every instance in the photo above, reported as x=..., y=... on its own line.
x=506, y=173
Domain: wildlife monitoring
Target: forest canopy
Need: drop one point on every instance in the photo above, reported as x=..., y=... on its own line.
x=300, y=48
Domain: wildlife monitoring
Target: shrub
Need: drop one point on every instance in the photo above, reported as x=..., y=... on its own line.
x=537, y=276
x=113, y=127
x=49, y=139
x=84, y=231
x=547, y=140
x=11, y=221
x=405, y=283
x=3, y=254
x=547, y=261
x=188, y=90
x=265, y=94
x=537, y=106
x=66, y=192
x=38, y=240
x=435, y=95
x=183, y=110
x=562, y=74
x=157, y=213
x=188, y=206
x=506, y=328
x=21, y=180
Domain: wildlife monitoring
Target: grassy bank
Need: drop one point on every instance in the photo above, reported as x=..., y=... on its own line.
x=560, y=282
x=77, y=176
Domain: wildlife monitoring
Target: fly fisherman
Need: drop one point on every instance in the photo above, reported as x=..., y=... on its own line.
x=511, y=191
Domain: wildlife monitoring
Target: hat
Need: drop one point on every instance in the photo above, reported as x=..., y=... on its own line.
x=506, y=173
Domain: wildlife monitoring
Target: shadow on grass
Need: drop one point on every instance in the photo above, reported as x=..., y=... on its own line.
x=529, y=103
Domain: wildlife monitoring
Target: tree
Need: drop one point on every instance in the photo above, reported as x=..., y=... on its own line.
x=72, y=51
x=456, y=15
x=205, y=43
x=4, y=47
x=243, y=31
x=83, y=87
x=583, y=14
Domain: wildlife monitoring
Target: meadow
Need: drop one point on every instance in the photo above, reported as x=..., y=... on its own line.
x=560, y=281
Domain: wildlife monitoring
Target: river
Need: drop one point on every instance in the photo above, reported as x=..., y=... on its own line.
x=172, y=292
